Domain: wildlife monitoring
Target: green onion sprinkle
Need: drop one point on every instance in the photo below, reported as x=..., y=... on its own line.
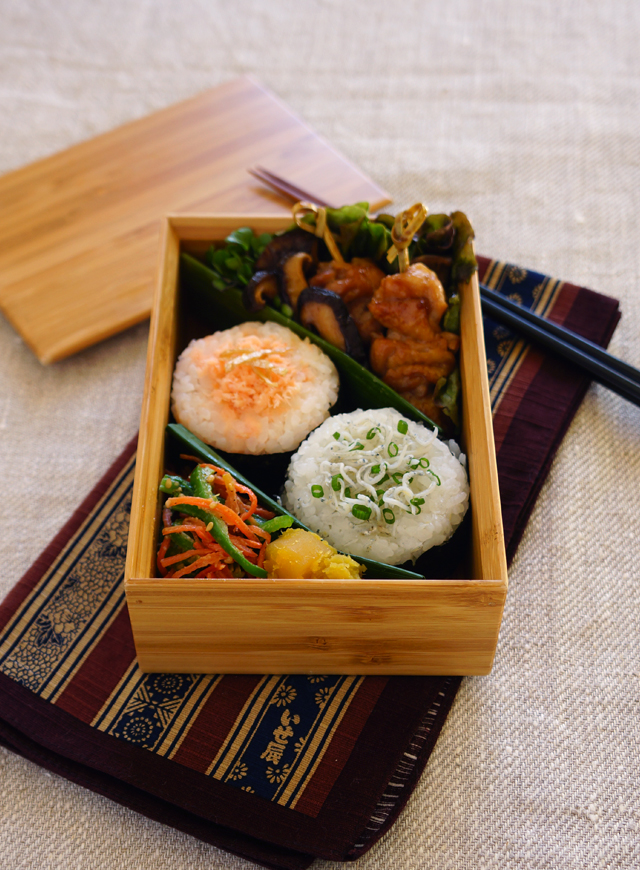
x=389, y=516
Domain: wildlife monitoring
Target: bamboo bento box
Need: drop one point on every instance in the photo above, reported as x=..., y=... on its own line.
x=367, y=626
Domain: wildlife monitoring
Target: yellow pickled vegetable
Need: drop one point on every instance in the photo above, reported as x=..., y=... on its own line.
x=301, y=555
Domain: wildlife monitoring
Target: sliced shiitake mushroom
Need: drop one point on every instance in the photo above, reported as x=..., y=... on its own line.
x=437, y=233
x=294, y=271
x=262, y=286
x=281, y=247
x=324, y=311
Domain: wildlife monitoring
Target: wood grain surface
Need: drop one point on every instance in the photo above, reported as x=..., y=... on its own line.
x=316, y=626
x=79, y=230
x=367, y=626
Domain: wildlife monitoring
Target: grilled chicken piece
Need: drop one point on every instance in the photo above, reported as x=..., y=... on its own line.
x=398, y=355
x=355, y=283
x=411, y=302
x=415, y=353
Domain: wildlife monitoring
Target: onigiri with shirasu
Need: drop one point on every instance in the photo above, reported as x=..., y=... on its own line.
x=376, y=484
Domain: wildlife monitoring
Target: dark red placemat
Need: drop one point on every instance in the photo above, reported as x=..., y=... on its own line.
x=277, y=769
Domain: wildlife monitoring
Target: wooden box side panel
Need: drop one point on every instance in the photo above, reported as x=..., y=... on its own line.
x=213, y=229
x=488, y=552
x=316, y=626
x=143, y=527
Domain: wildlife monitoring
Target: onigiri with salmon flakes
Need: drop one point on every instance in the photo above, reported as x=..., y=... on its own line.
x=378, y=485
x=256, y=388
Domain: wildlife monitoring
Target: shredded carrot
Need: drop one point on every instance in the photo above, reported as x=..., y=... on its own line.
x=180, y=557
x=231, y=518
x=200, y=462
x=164, y=546
x=199, y=563
x=264, y=514
x=243, y=543
x=200, y=531
x=232, y=501
x=253, y=500
x=219, y=471
x=177, y=500
x=213, y=571
x=261, y=556
x=262, y=534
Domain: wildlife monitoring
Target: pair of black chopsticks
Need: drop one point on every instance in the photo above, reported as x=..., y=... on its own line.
x=608, y=370
x=602, y=366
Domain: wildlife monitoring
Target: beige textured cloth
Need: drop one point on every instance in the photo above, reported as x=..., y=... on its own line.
x=526, y=116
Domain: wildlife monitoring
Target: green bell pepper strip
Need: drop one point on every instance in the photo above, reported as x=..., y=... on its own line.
x=199, y=481
x=202, y=489
x=181, y=542
x=220, y=533
x=172, y=484
x=274, y=524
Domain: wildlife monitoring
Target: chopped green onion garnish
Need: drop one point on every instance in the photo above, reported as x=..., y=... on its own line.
x=393, y=449
x=372, y=433
x=403, y=427
x=389, y=516
x=433, y=474
x=424, y=462
x=384, y=479
x=347, y=492
x=416, y=502
x=317, y=491
x=356, y=446
x=336, y=435
x=397, y=478
x=375, y=469
x=361, y=512
x=335, y=482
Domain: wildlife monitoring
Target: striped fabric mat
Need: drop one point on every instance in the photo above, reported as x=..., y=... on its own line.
x=279, y=769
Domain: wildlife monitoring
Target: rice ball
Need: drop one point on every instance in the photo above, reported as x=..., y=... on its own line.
x=256, y=388
x=378, y=485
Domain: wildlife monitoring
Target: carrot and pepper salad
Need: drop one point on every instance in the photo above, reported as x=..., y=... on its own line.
x=213, y=526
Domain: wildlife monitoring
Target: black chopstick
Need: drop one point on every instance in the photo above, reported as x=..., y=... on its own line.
x=602, y=366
